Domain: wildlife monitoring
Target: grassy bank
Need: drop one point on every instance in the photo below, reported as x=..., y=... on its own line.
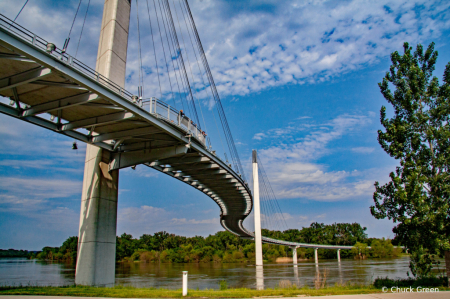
x=131, y=292
x=285, y=289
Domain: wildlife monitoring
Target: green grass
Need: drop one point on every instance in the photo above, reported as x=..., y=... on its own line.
x=131, y=292
x=289, y=290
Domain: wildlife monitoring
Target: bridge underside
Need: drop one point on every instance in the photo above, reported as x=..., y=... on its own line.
x=55, y=91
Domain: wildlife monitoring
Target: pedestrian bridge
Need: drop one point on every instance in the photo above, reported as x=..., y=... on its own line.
x=53, y=90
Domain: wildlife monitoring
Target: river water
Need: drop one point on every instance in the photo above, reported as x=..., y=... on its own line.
x=19, y=271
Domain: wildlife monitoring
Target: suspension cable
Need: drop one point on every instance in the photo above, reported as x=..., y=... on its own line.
x=190, y=68
x=20, y=11
x=191, y=22
x=164, y=51
x=171, y=45
x=82, y=28
x=201, y=76
x=270, y=190
x=141, y=74
x=230, y=141
x=66, y=43
x=171, y=57
x=154, y=51
x=181, y=61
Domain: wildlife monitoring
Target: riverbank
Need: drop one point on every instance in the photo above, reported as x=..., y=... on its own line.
x=131, y=292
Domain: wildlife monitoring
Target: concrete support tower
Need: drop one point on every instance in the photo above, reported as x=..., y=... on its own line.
x=294, y=256
x=257, y=211
x=98, y=216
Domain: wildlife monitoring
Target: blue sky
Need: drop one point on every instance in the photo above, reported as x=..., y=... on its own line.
x=298, y=81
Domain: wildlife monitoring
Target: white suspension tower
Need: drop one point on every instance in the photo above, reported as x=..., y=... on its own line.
x=257, y=211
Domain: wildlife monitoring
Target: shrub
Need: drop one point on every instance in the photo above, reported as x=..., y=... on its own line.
x=237, y=255
x=223, y=285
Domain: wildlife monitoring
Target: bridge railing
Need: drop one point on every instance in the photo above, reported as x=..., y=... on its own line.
x=51, y=49
x=157, y=107
x=166, y=112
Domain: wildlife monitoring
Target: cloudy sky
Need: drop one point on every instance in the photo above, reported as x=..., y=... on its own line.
x=298, y=81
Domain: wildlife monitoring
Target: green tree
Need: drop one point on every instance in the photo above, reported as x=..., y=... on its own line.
x=417, y=197
x=69, y=249
x=360, y=250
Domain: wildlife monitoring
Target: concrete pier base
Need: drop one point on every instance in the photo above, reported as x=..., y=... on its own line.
x=98, y=221
x=316, y=256
x=339, y=255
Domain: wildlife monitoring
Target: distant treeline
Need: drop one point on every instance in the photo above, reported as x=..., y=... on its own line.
x=226, y=247
x=13, y=253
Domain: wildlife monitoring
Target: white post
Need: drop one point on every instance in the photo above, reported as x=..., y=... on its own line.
x=294, y=256
x=257, y=212
x=316, y=256
x=96, y=260
x=185, y=283
x=339, y=255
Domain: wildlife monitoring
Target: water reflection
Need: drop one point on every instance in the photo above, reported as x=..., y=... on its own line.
x=259, y=278
x=208, y=275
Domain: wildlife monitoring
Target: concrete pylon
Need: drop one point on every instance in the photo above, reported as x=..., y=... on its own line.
x=294, y=256
x=257, y=212
x=98, y=217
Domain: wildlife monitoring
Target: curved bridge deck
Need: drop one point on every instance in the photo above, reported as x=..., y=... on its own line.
x=53, y=90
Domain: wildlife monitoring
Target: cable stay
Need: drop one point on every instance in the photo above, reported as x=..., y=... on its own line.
x=66, y=43
x=141, y=74
x=171, y=49
x=273, y=218
x=20, y=11
x=82, y=28
x=225, y=126
x=154, y=51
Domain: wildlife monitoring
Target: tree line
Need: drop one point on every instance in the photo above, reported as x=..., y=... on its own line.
x=227, y=248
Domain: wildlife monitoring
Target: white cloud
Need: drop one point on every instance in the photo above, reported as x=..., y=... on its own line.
x=257, y=45
x=363, y=150
x=292, y=167
x=184, y=221
x=147, y=219
x=40, y=188
x=294, y=42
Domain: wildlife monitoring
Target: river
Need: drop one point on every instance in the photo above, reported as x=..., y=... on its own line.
x=20, y=271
